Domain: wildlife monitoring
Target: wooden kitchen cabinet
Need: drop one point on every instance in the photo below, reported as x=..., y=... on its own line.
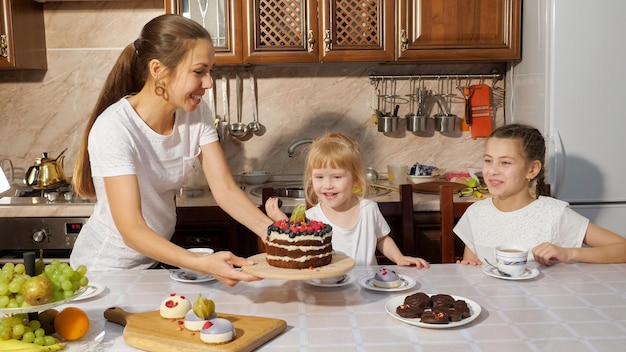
x=451, y=30
x=212, y=227
x=318, y=31
x=296, y=31
x=22, y=35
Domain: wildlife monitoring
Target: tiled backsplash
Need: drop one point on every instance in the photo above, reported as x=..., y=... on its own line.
x=46, y=111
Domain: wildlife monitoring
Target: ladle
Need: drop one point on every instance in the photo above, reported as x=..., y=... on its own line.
x=254, y=126
x=225, y=105
x=238, y=129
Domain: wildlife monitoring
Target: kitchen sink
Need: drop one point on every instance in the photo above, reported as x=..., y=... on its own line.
x=295, y=190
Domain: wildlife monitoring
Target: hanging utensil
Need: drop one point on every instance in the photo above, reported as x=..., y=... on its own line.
x=254, y=126
x=238, y=129
x=225, y=104
x=467, y=92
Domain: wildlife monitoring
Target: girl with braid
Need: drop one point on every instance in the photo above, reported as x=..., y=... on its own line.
x=549, y=228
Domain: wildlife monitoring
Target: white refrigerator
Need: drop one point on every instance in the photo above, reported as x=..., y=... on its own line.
x=571, y=84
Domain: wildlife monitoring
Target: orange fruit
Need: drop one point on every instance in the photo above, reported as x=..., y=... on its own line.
x=71, y=323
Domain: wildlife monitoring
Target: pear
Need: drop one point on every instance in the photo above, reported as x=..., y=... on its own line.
x=37, y=290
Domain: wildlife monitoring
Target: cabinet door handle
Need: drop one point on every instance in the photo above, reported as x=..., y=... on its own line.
x=327, y=40
x=310, y=40
x=4, y=45
x=404, y=40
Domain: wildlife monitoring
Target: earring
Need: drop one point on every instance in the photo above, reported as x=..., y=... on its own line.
x=159, y=88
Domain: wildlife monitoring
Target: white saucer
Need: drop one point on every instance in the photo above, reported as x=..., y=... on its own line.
x=368, y=283
x=350, y=278
x=526, y=275
x=92, y=291
x=178, y=276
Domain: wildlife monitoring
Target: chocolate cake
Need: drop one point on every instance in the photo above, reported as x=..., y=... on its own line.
x=299, y=243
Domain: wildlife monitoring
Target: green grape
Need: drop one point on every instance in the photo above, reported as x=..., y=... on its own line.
x=66, y=285
x=5, y=333
x=4, y=288
x=13, y=303
x=39, y=340
x=81, y=269
x=49, y=340
x=68, y=294
x=34, y=324
x=49, y=270
x=76, y=276
x=55, y=262
x=75, y=285
x=28, y=336
x=19, y=298
x=19, y=268
x=8, y=267
x=15, y=286
x=18, y=331
x=84, y=281
x=40, y=332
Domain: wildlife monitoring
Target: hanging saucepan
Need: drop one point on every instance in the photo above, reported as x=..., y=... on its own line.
x=416, y=120
x=444, y=120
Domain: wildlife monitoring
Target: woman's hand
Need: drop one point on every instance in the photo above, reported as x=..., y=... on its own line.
x=273, y=210
x=408, y=261
x=221, y=265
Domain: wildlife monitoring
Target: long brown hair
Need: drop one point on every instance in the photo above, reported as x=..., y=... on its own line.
x=167, y=38
x=335, y=150
x=533, y=146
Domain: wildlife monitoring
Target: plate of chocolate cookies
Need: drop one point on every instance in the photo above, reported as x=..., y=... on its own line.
x=433, y=311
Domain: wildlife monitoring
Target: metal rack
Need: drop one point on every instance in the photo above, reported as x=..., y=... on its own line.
x=495, y=76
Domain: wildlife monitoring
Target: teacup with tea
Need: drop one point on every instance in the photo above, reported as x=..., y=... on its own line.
x=511, y=259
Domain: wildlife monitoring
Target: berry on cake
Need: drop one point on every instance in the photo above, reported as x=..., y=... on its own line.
x=203, y=309
x=299, y=243
x=174, y=307
x=385, y=278
x=216, y=331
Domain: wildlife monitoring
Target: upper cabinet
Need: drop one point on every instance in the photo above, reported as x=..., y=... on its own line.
x=22, y=35
x=299, y=31
x=452, y=30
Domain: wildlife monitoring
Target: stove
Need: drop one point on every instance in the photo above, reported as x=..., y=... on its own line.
x=53, y=236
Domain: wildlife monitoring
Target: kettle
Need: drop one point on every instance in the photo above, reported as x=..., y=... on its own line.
x=47, y=173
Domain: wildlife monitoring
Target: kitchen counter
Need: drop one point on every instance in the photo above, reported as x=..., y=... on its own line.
x=202, y=198
x=568, y=307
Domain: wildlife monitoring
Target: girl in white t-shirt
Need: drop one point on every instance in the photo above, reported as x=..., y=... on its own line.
x=334, y=184
x=149, y=125
x=514, y=157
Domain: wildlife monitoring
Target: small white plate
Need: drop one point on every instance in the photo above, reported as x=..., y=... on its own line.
x=393, y=303
x=528, y=273
x=178, y=276
x=350, y=278
x=368, y=283
x=92, y=291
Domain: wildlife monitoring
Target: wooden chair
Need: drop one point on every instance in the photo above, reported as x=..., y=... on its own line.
x=451, y=212
x=403, y=210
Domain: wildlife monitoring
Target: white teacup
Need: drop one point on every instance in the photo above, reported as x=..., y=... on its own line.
x=202, y=251
x=511, y=259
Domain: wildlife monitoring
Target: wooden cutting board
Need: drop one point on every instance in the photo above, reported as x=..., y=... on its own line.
x=150, y=332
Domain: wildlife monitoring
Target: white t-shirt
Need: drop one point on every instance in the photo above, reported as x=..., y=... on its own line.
x=358, y=242
x=483, y=227
x=121, y=143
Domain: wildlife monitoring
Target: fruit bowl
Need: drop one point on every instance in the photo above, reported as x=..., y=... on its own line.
x=40, y=308
x=254, y=177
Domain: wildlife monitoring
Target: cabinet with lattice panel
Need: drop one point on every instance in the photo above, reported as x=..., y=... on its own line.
x=452, y=30
x=22, y=35
x=318, y=31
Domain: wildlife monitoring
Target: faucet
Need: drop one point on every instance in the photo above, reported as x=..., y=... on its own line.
x=296, y=144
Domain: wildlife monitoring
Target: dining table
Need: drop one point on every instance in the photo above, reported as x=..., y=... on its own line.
x=563, y=307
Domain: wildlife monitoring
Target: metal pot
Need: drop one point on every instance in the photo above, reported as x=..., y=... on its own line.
x=447, y=122
x=388, y=123
x=416, y=123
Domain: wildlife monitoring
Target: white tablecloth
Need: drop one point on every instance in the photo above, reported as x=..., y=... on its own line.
x=568, y=307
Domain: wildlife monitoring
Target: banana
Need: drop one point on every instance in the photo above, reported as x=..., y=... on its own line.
x=13, y=345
